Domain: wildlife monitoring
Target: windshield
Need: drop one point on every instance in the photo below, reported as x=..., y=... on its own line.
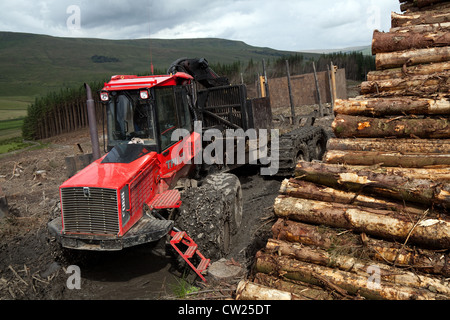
x=173, y=113
x=130, y=119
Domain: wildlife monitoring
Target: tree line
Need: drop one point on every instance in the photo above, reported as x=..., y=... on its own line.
x=356, y=66
x=59, y=112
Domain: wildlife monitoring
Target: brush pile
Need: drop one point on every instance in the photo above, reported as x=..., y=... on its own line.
x=371, y=221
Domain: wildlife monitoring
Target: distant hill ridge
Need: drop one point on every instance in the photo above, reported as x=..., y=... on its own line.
x=366, y=50
x=32, y=64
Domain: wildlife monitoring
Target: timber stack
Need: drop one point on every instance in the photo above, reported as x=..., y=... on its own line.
x=371, y=221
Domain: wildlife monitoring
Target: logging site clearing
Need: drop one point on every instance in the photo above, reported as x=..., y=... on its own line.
x=34, y=268
x=368, y=221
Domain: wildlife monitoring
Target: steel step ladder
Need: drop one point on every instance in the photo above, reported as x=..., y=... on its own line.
x=179, y=239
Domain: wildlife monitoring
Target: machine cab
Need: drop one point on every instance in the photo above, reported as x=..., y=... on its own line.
x=146, y=110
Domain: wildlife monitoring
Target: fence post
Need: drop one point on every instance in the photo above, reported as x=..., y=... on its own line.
x=330, y=87
x=333, y=81
x=318, y=91
x=266, y=82
x=291, y=99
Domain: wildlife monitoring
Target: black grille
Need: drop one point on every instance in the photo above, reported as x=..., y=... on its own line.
x=90, y=210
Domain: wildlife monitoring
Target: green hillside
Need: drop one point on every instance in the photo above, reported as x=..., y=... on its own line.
x=32, y=64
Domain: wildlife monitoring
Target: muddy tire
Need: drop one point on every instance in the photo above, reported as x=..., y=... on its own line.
x=230, y=187
x=318, y=144
x=203, y=215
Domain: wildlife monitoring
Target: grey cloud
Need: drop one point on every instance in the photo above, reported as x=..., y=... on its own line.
x=282, y=24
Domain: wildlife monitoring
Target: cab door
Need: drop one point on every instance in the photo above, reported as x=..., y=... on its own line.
x=174, y=125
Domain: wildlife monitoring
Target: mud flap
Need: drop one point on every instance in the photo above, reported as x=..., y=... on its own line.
x=148, y=229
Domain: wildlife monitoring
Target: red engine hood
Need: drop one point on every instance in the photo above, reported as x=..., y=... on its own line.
x=109, y=175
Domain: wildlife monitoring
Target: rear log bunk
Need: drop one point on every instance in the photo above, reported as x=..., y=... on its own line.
x=371, y=221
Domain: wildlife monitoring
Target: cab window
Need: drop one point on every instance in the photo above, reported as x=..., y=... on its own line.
x=167, y=115
x=183, y=109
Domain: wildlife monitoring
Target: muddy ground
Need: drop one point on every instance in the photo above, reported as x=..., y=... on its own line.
x=33, y=267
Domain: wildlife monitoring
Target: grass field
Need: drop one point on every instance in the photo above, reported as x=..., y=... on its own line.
x=12, y=112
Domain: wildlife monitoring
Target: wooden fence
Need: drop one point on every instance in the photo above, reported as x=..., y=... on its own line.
x=304, y=89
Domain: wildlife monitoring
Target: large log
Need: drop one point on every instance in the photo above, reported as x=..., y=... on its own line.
x=308, y=190
x=401, y=188
x=435, y=27
x=301, y=289
x=247, y=290
x=294, y=231
x=429, y=92
x=387, y=159
x=411, y=6
x=432, y=233
x=413, y=57
x=397, y=254
x=345, y=262
x=426, y=3
x=403, y=127
x=392, y=106
x=425, y=69
x=398, y=41
x=414, y=85
x=394, y=145
x=416, y=18
x=355, y=284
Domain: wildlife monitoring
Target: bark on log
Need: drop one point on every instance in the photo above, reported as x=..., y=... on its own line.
x=430, y=92
x=401, y=188
x=318, y=275
x=304, y=290
x=397, y=254
x=394, y=145
x=411, y=57
x=432, y=233
x=363, y=127
x=294, y=231
x=392, y=41
x=425, y=3
x=415, y=85
x=247, y=290
x=435, y=27
x=392, y=106
x=417, y=18
x=334, y=259
x=410, y=6
x=386, y=159
x=308, y=190
x=423, y=260
x=396, y=73
x=407, y=6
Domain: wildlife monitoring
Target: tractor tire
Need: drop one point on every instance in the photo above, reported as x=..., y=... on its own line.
x=230, y=187
x=203, y=215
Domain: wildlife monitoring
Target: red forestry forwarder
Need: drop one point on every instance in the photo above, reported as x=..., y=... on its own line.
x=132, y=195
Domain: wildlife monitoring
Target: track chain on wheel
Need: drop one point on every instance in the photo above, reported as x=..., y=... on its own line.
x=212, y=213
x=306, y=143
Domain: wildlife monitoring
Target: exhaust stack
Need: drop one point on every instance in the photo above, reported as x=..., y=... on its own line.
x=92, y=123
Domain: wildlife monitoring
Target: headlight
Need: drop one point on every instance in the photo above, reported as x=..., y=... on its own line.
x=104, y=96
x=144, y=94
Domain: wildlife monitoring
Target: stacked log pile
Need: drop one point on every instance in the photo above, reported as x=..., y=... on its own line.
x=371, y=221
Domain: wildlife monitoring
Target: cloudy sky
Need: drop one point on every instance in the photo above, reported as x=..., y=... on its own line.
x=293, y=25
